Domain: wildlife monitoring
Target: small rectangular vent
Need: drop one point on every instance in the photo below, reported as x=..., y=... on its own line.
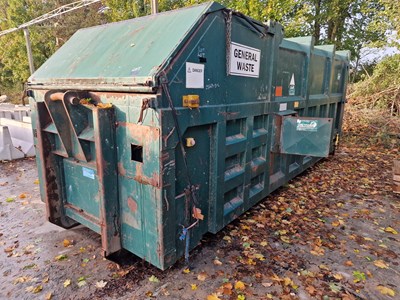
x=137, y=153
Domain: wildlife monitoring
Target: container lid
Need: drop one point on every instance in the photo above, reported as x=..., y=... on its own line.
x=123, y=53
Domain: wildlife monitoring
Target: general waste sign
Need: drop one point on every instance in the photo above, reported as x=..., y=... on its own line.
x=244, y=61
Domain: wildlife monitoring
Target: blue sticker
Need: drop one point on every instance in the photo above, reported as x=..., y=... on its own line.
x=89, y=173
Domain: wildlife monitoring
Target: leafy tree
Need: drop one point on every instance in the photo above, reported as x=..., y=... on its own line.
x=46, y=37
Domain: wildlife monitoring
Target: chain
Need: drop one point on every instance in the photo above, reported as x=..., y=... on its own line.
x=228, y=20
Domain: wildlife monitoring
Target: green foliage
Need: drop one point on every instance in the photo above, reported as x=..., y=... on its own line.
x=382, y=89
x=119, y=10
x=45, y=37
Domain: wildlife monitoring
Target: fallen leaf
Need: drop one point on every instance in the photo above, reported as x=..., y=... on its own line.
x=104, y=105
x=202, y=276
x=390, y=230
x=266, y=284
x=285, y=239
x=22, y=279
x=213, y=297
x=239, y=285
x=335, y=287
x=311, y=290
x=338, y=276
x=36, y=181
x=9, y=249
x=287, y=281
x=386, y=291
x=318, y=251
x=241, y=297
x=227, y=238
x=67, y=282
x=337, y=223
x=197, y=214
x=381, y=264
x=358, y=276
x=217, y=262
x=226, y=289
x=348, y=263
x=307, y=273
x=66, y=243
x=100, y=284
x=81, y=283
x=193, y=287
x=227, y=286
x=61, y=257
x=28, y=267
x=324, y=267
x=46, y=279
x=259, y=256
x=10, y=199
x=276, y=277
x=22, y=196
x=154, y=279
x=264, y=243
x=34, y=289
x=48, y=296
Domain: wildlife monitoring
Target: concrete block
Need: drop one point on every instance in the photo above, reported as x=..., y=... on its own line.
x=21, y=135
x=6, y=114
x=27, y=120
x=7, y=150
x=20, y=112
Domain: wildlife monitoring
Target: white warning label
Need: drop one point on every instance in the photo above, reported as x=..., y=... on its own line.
x=244, y=61
x=194, y=76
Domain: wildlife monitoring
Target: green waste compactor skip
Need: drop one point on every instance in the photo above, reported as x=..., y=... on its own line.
x=157, y=130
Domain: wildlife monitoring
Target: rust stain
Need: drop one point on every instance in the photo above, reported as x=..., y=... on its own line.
x=56, y=96
x=134, y=32
x=229, y=114
x=97, y=95
x=164, y=157
x=121, y=169
x=143, y=179
x=271, y=163
x=132, y=204
x=145, y=134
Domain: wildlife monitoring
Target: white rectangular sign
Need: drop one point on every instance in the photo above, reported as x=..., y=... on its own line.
x=244, y=61
x=194, y=76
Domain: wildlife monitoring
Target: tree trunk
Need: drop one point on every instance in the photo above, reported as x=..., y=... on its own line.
x=317, y=21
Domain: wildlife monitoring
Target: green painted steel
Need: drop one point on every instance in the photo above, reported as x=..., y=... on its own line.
x=127, y=52
x=306, y=136
x=119, y=152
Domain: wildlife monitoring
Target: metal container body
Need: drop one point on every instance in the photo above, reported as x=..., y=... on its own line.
x=211, y=111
